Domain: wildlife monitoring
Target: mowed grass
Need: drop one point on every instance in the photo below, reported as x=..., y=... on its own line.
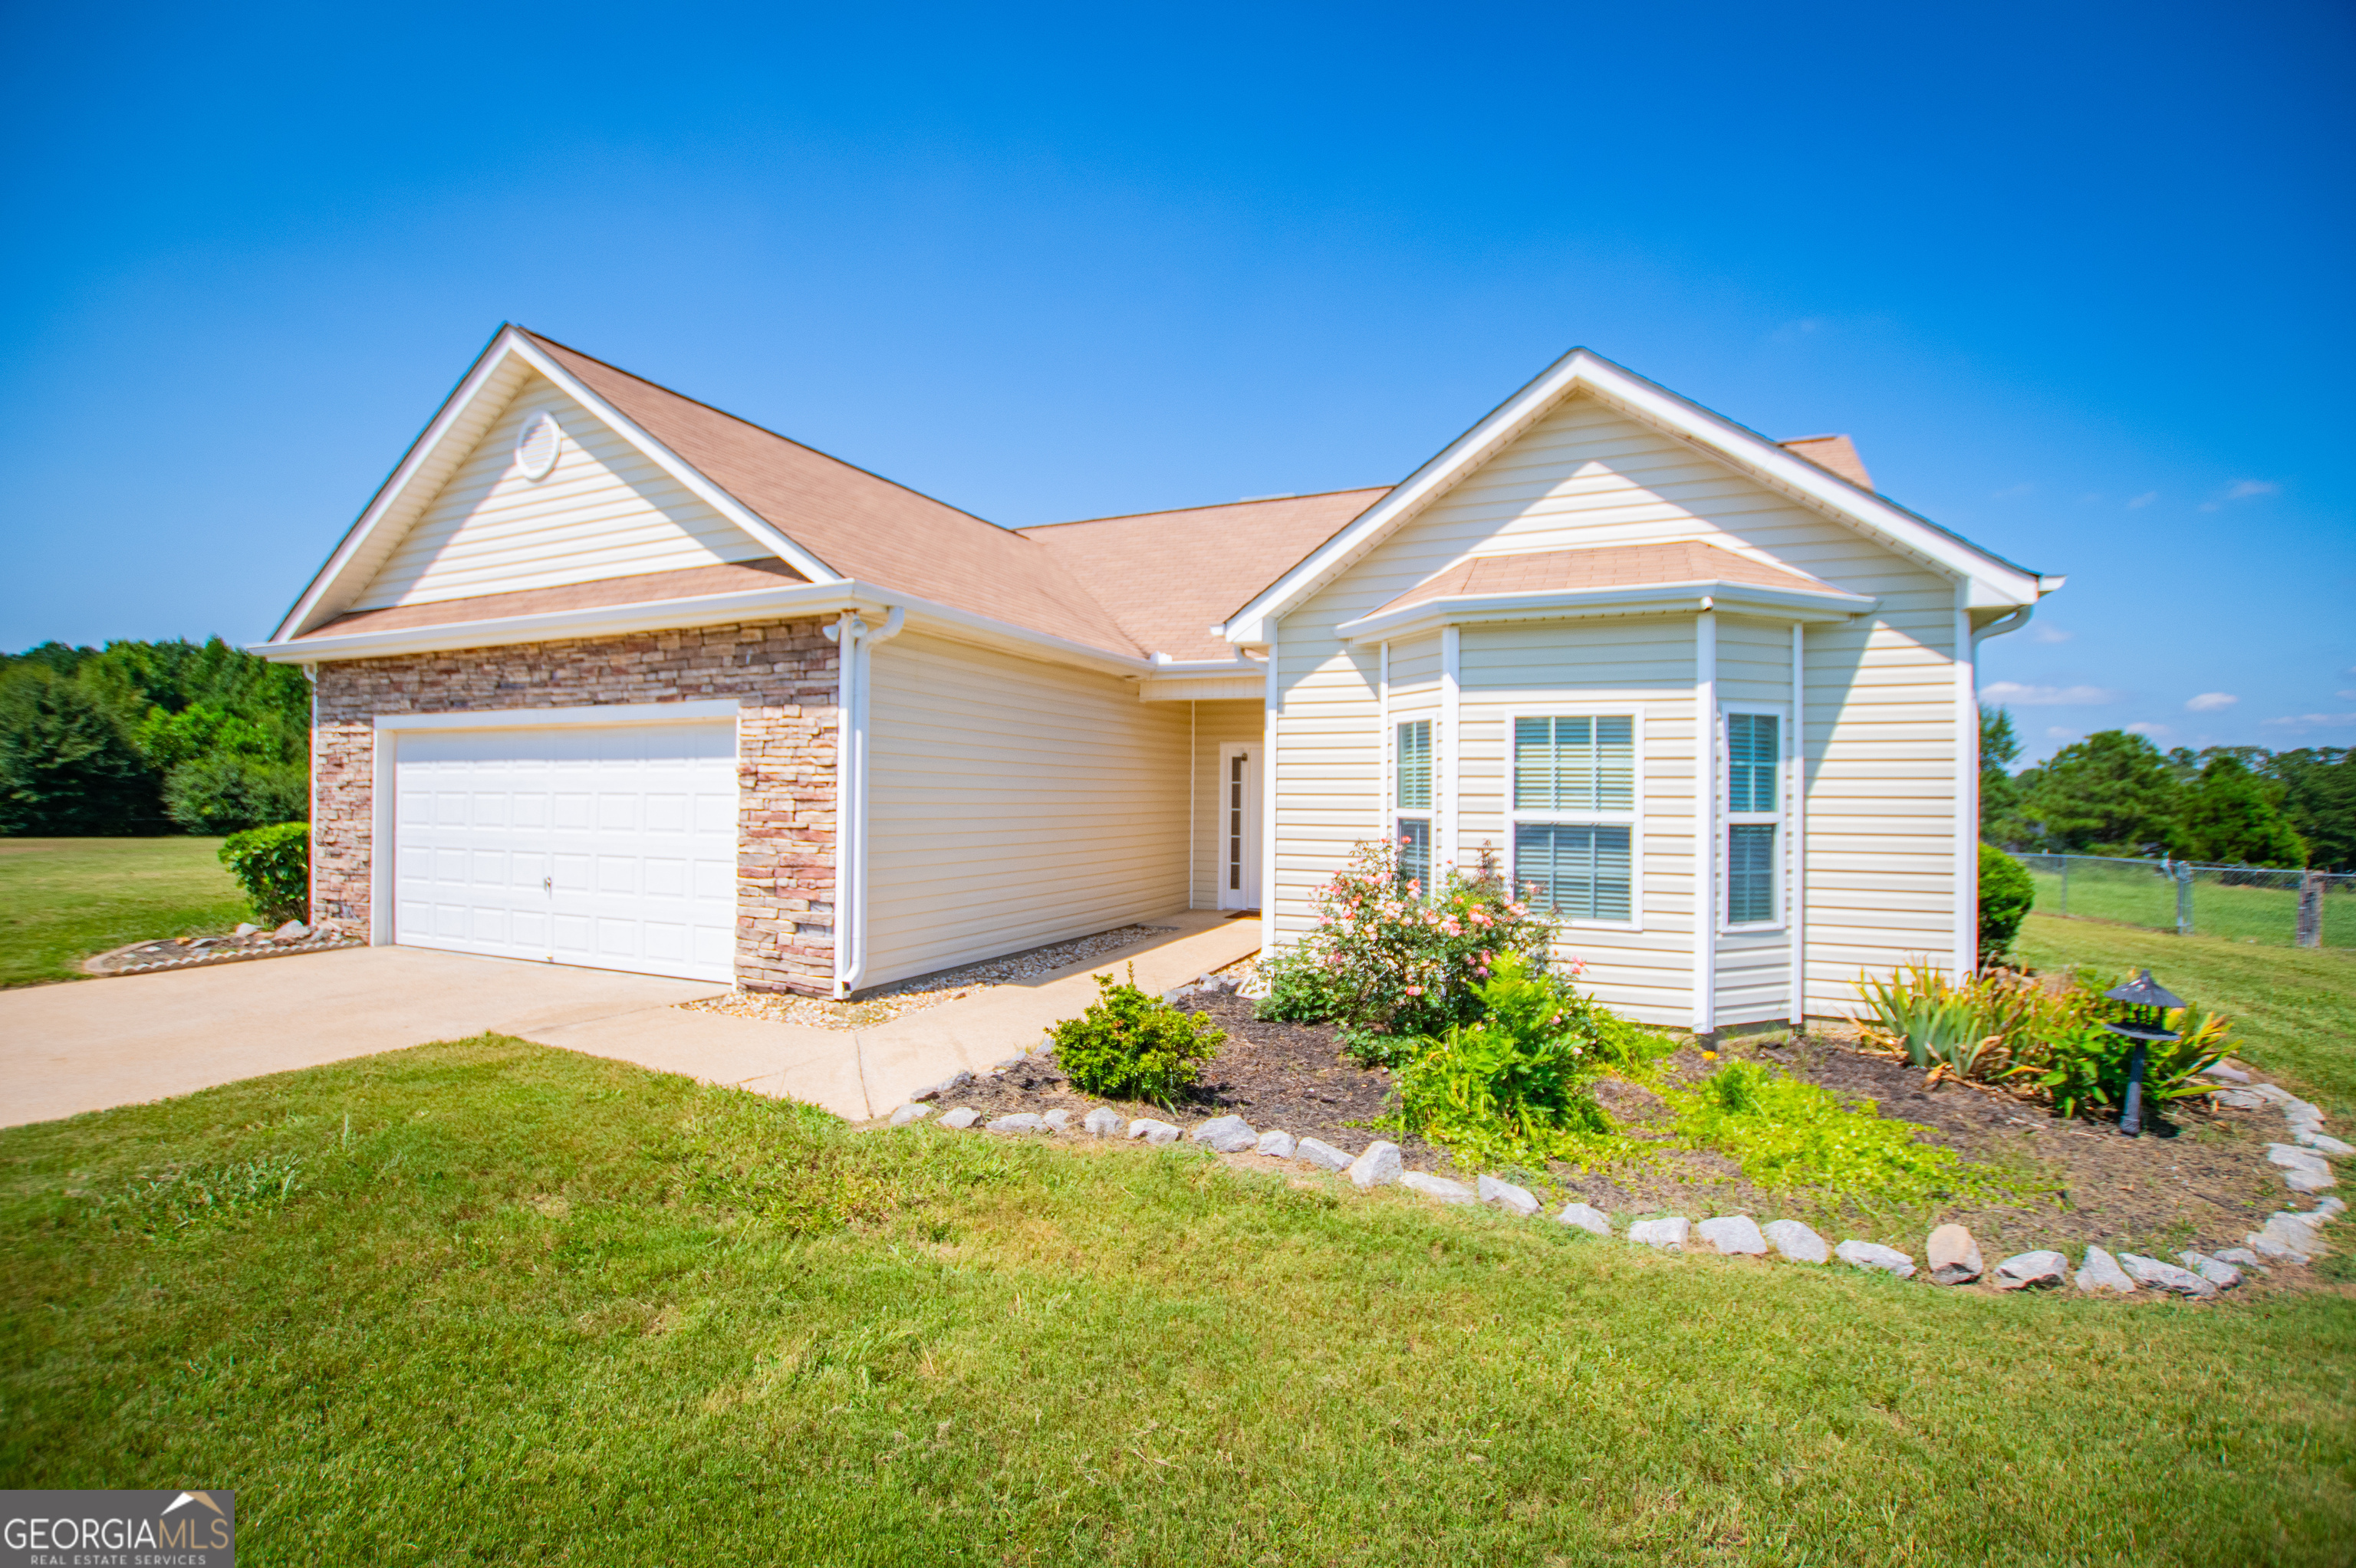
x=534, y=1306
x=2294, y=1009
x=2134, y=895
x=62, y=899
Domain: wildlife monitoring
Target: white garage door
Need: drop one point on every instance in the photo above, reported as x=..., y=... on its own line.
x=615, y=849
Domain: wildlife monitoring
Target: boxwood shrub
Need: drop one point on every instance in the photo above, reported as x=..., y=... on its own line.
x=273, y=866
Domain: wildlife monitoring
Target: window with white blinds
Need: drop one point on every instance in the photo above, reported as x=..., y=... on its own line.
x=1576, y=822
x=1754, y=819
x=1411, y=795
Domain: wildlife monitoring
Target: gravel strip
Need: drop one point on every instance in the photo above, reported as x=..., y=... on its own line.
x=888, y=1002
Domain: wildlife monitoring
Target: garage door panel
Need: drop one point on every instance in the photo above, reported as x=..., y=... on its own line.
x=605, y=845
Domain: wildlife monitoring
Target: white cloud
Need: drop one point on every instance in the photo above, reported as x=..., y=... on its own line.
x=2146, y=499
x=2145, y=727
x=2350, y=695
x=2211, y=701
x=2056, y=732
x=2014, y=692
x=2245, y=488
x=2303, y=719
x=2038, y=632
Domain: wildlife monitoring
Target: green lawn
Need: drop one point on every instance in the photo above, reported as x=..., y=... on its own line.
x=2134, y=895
x=2293, y=1007
x=517, y=1305
x=62, y=899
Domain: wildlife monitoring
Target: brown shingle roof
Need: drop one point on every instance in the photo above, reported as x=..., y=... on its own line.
x=643, y=587
x=858, y=524
x=1599, y=567
x=1836, y=454
x=1169, y=577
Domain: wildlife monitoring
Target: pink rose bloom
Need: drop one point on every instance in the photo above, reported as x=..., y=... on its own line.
x=1414, y=991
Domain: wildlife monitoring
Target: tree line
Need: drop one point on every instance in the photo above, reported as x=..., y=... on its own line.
x=140, y=738
x=2118, y=794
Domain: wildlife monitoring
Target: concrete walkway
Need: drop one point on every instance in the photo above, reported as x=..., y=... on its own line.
x=92, y=1044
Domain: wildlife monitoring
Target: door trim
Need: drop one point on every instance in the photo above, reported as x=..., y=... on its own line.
x=1226, y=864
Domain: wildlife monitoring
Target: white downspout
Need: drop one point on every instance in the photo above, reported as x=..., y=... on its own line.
x=854, y=637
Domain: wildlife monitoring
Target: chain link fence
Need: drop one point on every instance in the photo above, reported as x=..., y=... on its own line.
x=2274, y=909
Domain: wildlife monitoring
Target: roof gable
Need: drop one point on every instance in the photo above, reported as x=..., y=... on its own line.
x=1993, y=580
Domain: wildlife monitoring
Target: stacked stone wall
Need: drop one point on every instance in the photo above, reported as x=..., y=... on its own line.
x=784, y=674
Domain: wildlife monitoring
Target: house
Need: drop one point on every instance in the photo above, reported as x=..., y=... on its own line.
x=606, y=677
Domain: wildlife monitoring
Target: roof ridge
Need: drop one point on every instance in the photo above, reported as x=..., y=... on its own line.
x=1207, y=507
x=765, y=430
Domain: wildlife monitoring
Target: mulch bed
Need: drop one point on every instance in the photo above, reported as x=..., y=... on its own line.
x=2197, y=1179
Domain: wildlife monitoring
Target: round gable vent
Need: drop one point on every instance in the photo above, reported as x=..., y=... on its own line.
x=536, y=447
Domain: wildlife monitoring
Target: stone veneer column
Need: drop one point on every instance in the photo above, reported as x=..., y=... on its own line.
x=786, y=676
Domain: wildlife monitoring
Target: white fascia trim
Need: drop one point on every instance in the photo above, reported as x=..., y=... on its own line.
x=511, y=344
x=606, y=713
x=802, y=601
x=1782, y=604
x=1657, y=405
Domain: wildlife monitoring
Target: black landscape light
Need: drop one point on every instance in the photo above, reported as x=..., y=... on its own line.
x=2145, y=1024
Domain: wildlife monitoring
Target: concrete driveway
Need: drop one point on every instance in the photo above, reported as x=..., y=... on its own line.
x=88, y=1045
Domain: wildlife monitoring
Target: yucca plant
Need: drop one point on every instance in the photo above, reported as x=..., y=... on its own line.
x=1945, y=1028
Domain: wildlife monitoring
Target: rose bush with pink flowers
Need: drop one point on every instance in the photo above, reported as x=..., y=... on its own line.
x=1392, y=962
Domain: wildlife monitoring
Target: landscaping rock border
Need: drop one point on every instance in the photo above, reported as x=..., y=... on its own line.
x=1953, y=1255
x=203, y=952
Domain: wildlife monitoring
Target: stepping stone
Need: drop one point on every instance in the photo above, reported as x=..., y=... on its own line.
x=1873, y=1254
x=1104, y=1122
x=2277, y=1093
x=2167, y=1276
x=1579, y=1216
x=2031, y=1271
x=1210, y=1132
x=912, y=1112
x=2290, y=1157
x=1737, y=1235
x=1058, y=1121
x=2101, y=1271
x=2275, y=1247
x=1154, y=1131
x=963, y=1116
x=2240, y=1258
x=1797, y=1241
x=1323, y=1154
x=1668, y=1234
x=2329, y=1208
x=1506, y=1195
x=1952, y=1257
x=1437, y=1186
x=1276, y=1144
x=1379, y=1166
x=2325, y=1144
x=2309, y=1180
x=2238, y=1099
x=1019, y=1122
x=2217, y=1272
x=2225, y=1071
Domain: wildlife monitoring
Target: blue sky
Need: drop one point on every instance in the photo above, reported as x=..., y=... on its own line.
x=2077, y=277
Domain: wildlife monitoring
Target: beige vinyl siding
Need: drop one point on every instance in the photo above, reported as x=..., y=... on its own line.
x=1755, y=967
x=1013, y=803
x=1881, y=733
x=1216, y=724
x=605, y=510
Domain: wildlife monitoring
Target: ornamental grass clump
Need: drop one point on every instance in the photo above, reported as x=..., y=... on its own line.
x=1514, y=1088
x=1393, y=963
x=1130, y=1045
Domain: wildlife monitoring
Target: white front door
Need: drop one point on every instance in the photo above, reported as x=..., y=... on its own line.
x=612, y=848
x=1240, y=828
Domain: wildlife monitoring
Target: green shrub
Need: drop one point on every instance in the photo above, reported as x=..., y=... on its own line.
x=1514, y=1088
x=273, y=866
x=1132, y=1046
x=222, y=792
x=2005, y=895
x=1393, y=963
x=1786, y=1132
x=2087, y=1064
